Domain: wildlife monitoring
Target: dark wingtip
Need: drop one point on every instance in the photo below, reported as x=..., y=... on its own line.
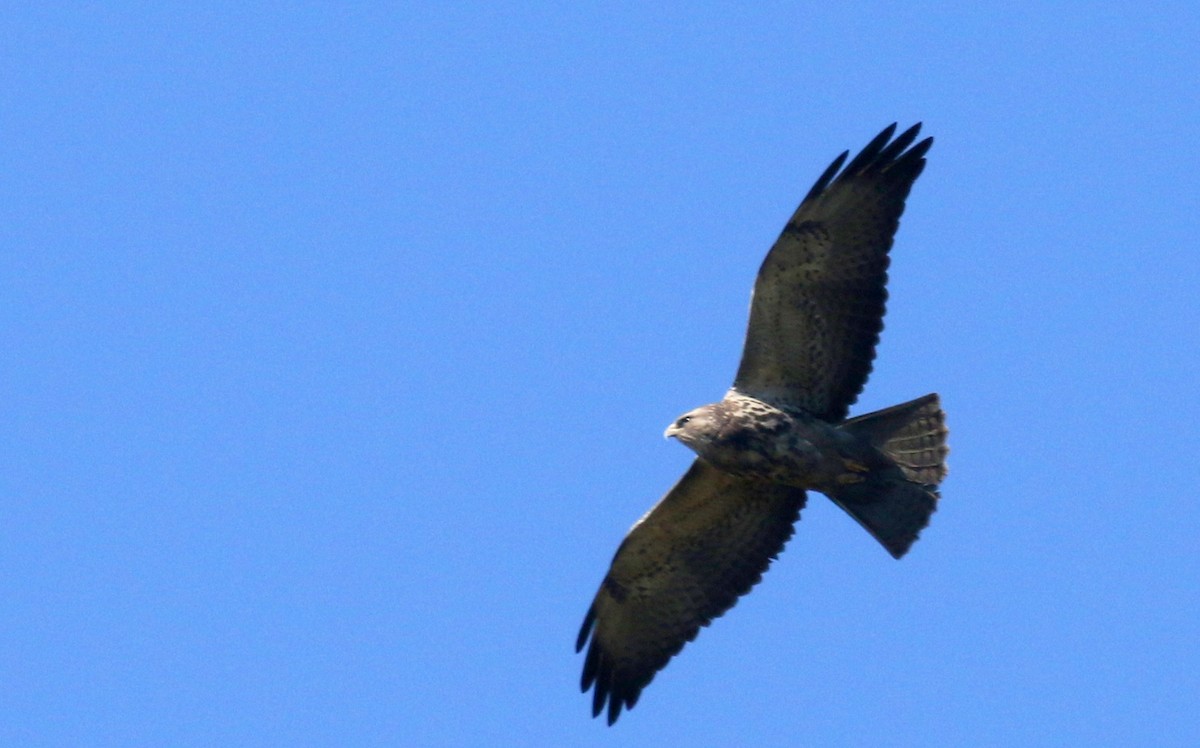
x=871, y=151
x=606, y=691
x=588, y=622
x=897, y=146
x=826, y=177
x=599, y=696
x=881, y=153
x=614, y=711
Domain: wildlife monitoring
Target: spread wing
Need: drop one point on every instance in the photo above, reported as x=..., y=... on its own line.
x=706, y=543
x=818, y=302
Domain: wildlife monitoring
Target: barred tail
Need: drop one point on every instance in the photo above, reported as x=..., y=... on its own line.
x=913, y=434
x=896, y=498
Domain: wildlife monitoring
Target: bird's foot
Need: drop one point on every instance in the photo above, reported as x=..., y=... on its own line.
x=854, y=466
x=856, y=472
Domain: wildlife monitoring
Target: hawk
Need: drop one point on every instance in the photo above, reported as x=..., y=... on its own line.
x=815, y=317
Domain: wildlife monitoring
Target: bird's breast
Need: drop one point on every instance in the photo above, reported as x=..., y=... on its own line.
x=775, y=448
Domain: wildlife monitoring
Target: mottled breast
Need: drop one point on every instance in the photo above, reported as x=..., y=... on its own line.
x=759, y=440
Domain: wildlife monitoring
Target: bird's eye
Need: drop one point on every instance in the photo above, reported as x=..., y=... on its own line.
x=683, y=421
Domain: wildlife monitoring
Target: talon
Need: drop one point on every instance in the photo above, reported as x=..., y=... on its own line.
x=857, y=467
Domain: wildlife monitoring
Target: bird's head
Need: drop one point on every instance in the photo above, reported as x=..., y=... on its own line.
x=697, y=427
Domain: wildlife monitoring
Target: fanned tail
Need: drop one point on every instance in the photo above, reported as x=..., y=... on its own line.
x=913, y=434
x=895, y=499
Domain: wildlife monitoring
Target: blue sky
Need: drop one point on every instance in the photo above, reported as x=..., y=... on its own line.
x=339, y=342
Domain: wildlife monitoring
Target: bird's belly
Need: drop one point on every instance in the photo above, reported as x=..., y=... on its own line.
x=786, y=459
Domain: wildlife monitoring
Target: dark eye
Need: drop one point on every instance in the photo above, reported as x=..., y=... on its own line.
x=683, y=421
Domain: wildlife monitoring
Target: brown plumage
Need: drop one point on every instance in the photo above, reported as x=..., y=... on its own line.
x=815, y=319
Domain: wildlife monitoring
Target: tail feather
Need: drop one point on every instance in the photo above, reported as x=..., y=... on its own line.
x=913, y=434
x=900, y=493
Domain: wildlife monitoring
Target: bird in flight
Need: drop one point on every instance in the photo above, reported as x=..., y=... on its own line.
x=815, y=317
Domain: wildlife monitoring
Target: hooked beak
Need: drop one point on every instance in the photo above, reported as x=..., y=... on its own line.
x=672, y=430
